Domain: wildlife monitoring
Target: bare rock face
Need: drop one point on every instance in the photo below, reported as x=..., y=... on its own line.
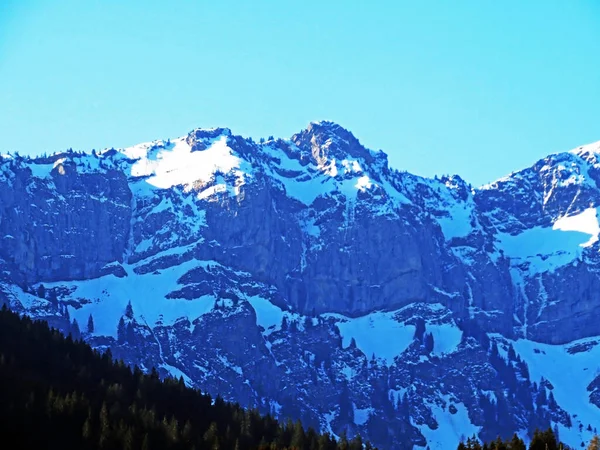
x=63, y=226
x=307, y=278
x=200, y=139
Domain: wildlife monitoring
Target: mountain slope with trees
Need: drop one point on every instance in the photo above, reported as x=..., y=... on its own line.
x=57, y=392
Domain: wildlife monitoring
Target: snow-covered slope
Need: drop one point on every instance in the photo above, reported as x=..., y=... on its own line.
x=306, y=277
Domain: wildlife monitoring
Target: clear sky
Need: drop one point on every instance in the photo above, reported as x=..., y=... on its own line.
x=478, y=88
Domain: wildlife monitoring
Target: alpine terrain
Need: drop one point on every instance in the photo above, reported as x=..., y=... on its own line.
x=308, y=279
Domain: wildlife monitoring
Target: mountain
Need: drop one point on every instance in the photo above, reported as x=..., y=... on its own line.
x=75, y=398
x=307, y=278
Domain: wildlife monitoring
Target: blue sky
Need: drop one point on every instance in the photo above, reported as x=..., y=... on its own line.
x=478, y=88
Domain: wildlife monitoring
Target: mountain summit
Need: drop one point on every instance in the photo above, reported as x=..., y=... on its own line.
x=308, y=279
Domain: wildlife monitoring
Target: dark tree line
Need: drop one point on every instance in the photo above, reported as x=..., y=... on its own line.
x=541, y=440
x=57, y=392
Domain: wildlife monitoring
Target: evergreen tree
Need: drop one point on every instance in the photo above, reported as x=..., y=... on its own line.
x=512, y=356
x=75, y=331
x=524, y=369
x=129, y=310
x=356, y=443
x=550, y=439
x=473, y=443
x=419, y=329
x=568, y=421
x=52, y=296
x=516, y=443
x=129, y=333
x=324, y=442
x=186, y=434
x=104, y=426
x=90, y=325
x=404, y=407
x=543, y=440
x=541, y=398
x=41, y=291
x=551, y=401
x=87, y=428
x=499, y=444
x=146, y=442
x=346, y=409
x=211, y=437
x=343, y=444
x=496, y=360
x=298, y=436
x=121, y=331
x=429, y=342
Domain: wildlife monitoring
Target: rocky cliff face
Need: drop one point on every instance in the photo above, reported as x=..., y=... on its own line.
x=308, y=278
x=61, y=222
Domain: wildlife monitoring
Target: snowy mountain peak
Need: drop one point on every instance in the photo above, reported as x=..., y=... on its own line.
x=201, y=138
x=326, y=125
x=191, y=161
x=592, y=148
x=326, y=141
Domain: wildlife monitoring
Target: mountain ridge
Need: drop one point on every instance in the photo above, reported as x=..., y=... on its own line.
x=353, y=284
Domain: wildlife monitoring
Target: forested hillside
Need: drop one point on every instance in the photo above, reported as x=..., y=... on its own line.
x=542, y=440
x=56, y=392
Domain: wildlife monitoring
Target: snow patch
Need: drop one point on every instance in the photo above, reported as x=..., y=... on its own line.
x=268, y=315
x=585, y=222
x=458, y=221
x=363, y=183
x=451, y=427
x=178, y=165
x=446, y=337
x=378, y=333
x=108, y=297
x=41, y=170
x=570, y=374
x=361, y=416
x=177, y=373
x=545, y=248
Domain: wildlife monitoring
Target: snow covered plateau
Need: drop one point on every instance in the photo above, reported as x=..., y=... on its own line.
x=308, y=279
